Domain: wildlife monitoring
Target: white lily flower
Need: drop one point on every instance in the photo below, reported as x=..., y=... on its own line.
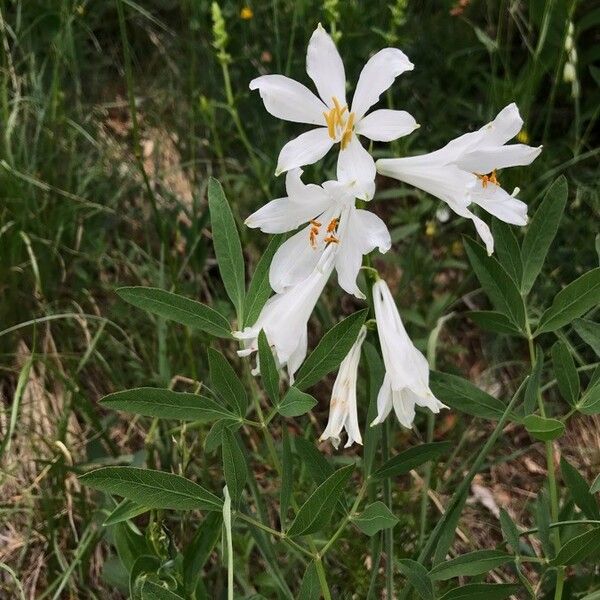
x=333, y=220
x=284, y=319
x=343, y=413
x=464, y=171
x=336, y=121
x=406, y=380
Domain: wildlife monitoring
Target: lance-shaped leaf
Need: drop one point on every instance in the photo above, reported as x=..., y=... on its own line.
x=580, y=490
x=167, y=404
x=316, y=512
x=418, y=576
x=532, y=390
x=571, y=302
x=199, y=550
x=268, y=368
x=177, y=308
x=296, y=403
x=154, y=489
x=374, y=518
x=153, y=591
x=462, y=395
x=412, y=458
x=226, y=382
x=482, y=591
x=234, y=465
x=589, y=404
x=566, y=373
x=260, y=289
x=125, y=510
x=316, y=464
x=541, y=231
x=492, y=320
x=543, y=428
x=595, y=487
x=228, y=249
x=589, y=332
x=508, y=250
x=497, y=283
x=330, y=351
x=472, y=563
x=310, y=589
x=578, y=548
x=510, y=530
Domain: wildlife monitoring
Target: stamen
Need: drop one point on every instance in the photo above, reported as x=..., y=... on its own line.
x=331, y=239
x=315, y=223
x=333, y=225
x=330, y=120
x=489, y=178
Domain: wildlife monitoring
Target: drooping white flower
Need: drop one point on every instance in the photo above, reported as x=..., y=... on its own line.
x=284, y=319
x=336, y=121
x=406, y=380
x=464, y=171
x=343, y=413
x=332, y=220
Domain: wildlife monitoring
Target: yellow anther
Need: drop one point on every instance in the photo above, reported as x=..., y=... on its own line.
x=336, y=103
x=340, y=122
x=315, y=223
x=333, y=225
x=489, y=178
x=331, y=239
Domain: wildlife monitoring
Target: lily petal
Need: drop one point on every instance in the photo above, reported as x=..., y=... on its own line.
x=304, y=202
x=325, y=67
x=482, y=229
x=384, y=401
x=355, y=165
x=485, y=160
x=306, y=149
x=288, y=99
x=377, y=76
x=404, y=406
x=501, y=204
x=385, y=125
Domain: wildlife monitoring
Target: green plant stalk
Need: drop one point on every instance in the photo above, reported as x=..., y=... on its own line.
x=551, y=469
x=387, y=496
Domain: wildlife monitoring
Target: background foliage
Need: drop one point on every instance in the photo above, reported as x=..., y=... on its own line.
x=110, y=130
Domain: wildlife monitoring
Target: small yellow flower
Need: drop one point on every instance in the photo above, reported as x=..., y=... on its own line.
x=523, y=136
x=430, y=228
x=246, y=13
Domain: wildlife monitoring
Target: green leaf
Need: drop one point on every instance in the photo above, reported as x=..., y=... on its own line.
x=315, y=462
x=571, y=302
x=595, y=487
x=472, y=563
x=287, y=476
x=228, y=249
x=177, y=308
x=374, y=518
x=510, y=530
x=462, y=395
x=199, y=550
x=508, y=250
x=543, y=428
x=268, y=368
x=412, y=458
x=153, y=591
x=447, y=532
x=542, y=520
x=417, y=576
x=578, y=548
x=580, y=490
x=129, y=544
x=214, y=437
x=372, y=435
x=316, y=512
x=565, y=372
x=589, y=404
x=497, y=283
x=492, y=320
x=226, y=382
x=310, y=589
x=260, y=289
x=125, y=510
x=330, y=351
x=541, y=231
x=482, y=591
x=589, y=332
x=166, y=404
x=532, y=389
x=154, y=489
x=296, y=403
x=234, y=465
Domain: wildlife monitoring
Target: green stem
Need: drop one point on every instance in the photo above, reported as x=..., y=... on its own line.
x=387, y=495
x=561, y=524
x=322, y=579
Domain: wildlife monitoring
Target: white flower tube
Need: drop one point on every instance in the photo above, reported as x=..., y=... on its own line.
x=406, y=380
x=343, y=413
x=337, y=121
x=284, y=319
x=464, y=172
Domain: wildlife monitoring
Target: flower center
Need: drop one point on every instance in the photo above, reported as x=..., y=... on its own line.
x=330, y=238
x=340, y=123
x=489, y=178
